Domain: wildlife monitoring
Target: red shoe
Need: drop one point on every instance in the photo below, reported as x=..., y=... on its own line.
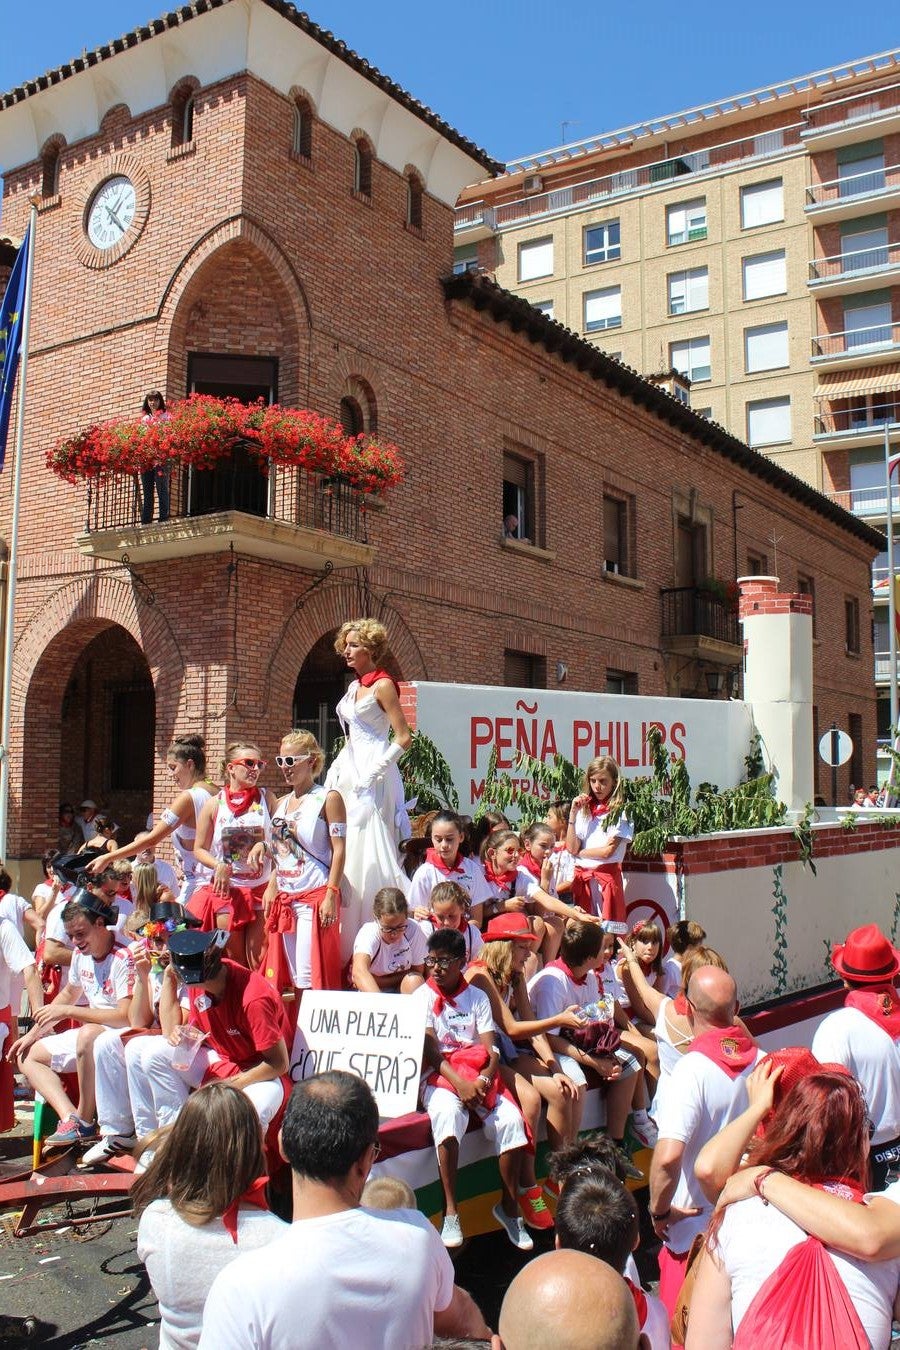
x=534, y=1208
x=551, y=1188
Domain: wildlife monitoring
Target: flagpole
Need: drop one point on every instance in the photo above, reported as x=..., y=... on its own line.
x=12, y=564
x=892, y=612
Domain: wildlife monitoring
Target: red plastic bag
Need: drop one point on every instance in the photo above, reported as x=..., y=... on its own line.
x=803, y=1303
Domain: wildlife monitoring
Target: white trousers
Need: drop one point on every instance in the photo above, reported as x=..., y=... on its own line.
x=503, y=1125
x=111, y=1085
x=158, y=1091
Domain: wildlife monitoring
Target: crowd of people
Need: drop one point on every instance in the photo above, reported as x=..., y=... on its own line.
x=164, y=1005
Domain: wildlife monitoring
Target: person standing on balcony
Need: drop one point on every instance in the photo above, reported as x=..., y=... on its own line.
x=365, y=772
x=154, y=410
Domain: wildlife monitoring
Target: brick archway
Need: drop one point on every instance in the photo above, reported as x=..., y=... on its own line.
x=45, y=655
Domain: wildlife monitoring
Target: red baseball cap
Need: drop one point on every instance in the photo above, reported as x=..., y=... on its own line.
x=510, y=927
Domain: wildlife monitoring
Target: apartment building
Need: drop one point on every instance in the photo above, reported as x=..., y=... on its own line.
x=752, y=245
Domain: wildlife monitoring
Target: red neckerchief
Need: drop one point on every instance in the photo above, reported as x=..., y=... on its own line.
x=461, y=927
x=879, y=1002
x=254, y=1195
x=443, y=999
x=559, y=964
x=841, y=1186
x=640, y=1303
x=647, y=970
x=368, y=680
x=239, y=802
x=447, y=869
x=680, y=1004
x=502, y=880
x=530, y=864
x=729, y=1047
x=600, y=809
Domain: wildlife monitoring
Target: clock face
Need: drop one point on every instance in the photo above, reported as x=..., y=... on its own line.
x=111, y=212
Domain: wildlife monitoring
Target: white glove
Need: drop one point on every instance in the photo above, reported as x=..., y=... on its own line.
x=393, y=753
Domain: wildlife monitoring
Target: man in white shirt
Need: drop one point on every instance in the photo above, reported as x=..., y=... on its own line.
x=342, y=1275
x=864, y=1036
x=707, y=1089
x=84, y=819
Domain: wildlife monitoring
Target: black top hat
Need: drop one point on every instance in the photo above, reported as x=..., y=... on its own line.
x=165, y=911
x=70, y=866
x=93, y=905
x=195, y=955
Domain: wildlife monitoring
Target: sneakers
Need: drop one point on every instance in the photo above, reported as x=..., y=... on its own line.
x=534, y=1208
x=109, y=1146
x=626, y=1165
x=643, y=1129
x=552, y=1188
x=73, y=1130
x=514, y=1229
x=451, y=1232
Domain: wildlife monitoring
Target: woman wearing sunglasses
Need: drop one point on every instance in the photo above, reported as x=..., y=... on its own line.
x=234, y=840
x=303, y=898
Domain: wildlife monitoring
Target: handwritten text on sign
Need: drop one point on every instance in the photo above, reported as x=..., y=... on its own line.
x=376, y=1036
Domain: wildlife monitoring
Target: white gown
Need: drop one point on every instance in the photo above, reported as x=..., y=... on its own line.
x=376, y=816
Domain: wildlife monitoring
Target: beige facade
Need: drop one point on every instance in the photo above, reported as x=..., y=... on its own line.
x=753, y=245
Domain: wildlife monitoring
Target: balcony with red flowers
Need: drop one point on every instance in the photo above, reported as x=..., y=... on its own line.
x=284, y=484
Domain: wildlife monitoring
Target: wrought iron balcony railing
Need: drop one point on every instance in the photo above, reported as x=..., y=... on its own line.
x=689, y=611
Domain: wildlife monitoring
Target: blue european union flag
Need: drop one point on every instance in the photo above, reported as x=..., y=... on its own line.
x=12, y=314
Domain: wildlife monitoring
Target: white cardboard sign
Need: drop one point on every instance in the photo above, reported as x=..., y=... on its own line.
x=378, y=1037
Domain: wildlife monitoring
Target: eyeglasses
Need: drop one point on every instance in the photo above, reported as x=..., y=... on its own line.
x=288, y=761
x=249, y=763
x=398, y=929
x=441, y=962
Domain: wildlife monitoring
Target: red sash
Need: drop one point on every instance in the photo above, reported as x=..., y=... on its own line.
x=729, y=1047
x=608, y=877
x=374, y=676
x=468, y=1061
x=240, y=902
x=254, y=1195
x=325, y=948
x=448, y=871
x=640, y=1302
x=880, y=1004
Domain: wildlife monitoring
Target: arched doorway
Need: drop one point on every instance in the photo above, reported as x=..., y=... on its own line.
x=107, y=721
x=320, y=687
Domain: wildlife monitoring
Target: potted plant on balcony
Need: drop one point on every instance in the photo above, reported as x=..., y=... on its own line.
x=726, y=592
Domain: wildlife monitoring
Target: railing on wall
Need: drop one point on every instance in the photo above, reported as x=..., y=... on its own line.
x=689, y=611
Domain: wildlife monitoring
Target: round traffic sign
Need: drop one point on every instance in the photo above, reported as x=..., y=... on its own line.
x=835, y=747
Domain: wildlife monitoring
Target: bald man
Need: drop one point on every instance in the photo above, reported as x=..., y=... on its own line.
x=567, y=1300
x=706, y=1090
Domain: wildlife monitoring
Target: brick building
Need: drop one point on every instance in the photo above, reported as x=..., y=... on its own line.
x=292, y=237
x=751, y=243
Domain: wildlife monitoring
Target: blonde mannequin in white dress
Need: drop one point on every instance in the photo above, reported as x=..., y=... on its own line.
x=366, y=773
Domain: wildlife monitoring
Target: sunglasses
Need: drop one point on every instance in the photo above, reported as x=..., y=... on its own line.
x=442, y=962
x=249, y=763
x=288, y=761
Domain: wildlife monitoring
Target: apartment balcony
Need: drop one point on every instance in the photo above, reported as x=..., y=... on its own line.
x=881, y=579
x=475, y=217
x=288, y=515
x=847, y=428
x=842, y=197
x=700, y=626
x=869, y=502
x=883, y=668
x=873, y=346
x=844, y=273
x=859, y=117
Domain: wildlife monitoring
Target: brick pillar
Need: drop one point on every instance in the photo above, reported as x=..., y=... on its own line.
x=408, y=698
x=778, y=683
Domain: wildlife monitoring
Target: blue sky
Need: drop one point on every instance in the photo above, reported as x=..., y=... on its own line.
x=508, y=73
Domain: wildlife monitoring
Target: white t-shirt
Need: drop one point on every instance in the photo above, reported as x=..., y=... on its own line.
x=389, y=958
x=358, y=1278
x=591, y=832
x=105, y=982
x=469, y=875
x=754, y=1240
x=462, y=1025
x=14, y=958
x=473, y=939
x=182, y=1261
x=850, y=1038
x=700, y=1098
x=670, y=981
x=551, y=991
x=13, y=907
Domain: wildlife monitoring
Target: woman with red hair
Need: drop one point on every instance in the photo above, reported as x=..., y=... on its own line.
x=762, y=1279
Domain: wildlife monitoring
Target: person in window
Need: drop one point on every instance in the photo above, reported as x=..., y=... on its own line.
x=511, y=527
x=154, y=410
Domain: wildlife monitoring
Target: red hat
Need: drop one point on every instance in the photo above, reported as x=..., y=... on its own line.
x=510, y=927
x=866, y=957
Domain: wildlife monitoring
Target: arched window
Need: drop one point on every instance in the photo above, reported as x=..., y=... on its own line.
x=413, y=202
x=362, y=169
x=183, y=113
x=50, y=168
x=351, y=417
x=303, y=129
